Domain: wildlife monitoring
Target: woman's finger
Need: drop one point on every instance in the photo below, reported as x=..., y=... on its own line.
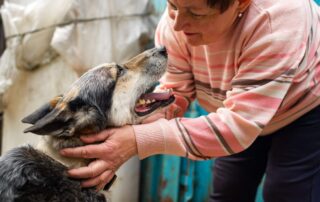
x=94, y=169
x=105, y=185
x=160, y=114
x=99, y=181
x=87, y=152
x=153, y=118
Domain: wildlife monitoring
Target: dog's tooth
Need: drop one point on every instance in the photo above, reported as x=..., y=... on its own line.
x=153, y=100
x=148, y=101
x=142, y=101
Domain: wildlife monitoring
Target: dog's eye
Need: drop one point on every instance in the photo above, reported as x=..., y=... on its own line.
x=121, y=71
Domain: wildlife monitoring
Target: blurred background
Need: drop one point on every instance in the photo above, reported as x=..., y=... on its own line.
x=45, y=45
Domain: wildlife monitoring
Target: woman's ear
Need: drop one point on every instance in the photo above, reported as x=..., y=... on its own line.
x=243, y=5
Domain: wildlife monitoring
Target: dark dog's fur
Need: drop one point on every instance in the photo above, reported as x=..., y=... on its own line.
x=110, y=95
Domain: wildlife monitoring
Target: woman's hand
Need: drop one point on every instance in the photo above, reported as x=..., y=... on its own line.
x=158, y=115
x=115, y=147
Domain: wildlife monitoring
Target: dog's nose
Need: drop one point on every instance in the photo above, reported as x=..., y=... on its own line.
x=163, y=51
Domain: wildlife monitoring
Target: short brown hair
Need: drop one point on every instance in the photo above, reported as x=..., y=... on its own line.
x=222, y=5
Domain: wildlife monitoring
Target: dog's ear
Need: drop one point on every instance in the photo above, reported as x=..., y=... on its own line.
x=47, y=123
x=42, y=111
x=68, y=118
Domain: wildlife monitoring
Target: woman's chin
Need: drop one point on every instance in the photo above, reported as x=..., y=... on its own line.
x=196, y=41
x=193, y=42
x=193, y=39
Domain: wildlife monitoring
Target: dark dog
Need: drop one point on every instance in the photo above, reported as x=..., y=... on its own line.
x=109, y=95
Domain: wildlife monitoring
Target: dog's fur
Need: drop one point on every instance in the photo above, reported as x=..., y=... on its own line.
x=103, y=97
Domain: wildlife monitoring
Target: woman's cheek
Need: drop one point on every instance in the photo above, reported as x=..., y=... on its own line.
x=172, y=14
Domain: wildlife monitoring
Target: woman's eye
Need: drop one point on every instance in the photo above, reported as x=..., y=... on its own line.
x=198, y=16
x=121, y=71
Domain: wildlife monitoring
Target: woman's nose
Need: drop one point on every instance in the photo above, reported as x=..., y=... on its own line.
x=179, y=22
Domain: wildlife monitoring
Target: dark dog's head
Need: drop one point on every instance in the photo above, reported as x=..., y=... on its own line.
x=109, y=95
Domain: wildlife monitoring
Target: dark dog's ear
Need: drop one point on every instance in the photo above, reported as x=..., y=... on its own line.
x=42, y=111
x=66, y=119
x=47, y=124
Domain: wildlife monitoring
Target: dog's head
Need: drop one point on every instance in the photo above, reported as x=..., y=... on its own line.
x=109, y=95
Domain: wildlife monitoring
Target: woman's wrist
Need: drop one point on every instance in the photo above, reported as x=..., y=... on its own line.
x=133, y=150
x=149, y=139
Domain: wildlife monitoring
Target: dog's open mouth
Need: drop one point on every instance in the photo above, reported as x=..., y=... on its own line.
x=149, y=102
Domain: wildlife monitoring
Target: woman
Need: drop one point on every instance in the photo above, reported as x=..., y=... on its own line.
x=254, y=65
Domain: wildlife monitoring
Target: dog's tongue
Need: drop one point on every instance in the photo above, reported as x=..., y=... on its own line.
x=157, y=96
x=153, y=100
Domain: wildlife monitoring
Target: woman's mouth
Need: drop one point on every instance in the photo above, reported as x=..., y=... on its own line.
x=190, y=34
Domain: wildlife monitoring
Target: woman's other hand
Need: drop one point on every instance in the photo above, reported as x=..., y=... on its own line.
x=158, y=115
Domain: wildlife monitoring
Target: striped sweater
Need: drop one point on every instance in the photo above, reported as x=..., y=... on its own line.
x=260, y=77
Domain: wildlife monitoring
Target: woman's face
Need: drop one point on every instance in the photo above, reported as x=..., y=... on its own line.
x=199, y=23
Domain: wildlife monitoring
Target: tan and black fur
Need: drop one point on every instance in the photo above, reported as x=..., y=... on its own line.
x=103, y=97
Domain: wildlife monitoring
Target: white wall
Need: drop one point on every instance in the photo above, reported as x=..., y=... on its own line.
x=30, y=90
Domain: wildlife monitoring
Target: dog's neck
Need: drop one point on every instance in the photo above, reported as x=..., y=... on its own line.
x=49, y=146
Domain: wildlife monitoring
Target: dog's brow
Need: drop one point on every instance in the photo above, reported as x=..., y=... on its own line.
x=55, y=100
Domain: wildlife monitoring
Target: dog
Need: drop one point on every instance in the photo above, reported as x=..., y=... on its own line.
x=110, y=95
